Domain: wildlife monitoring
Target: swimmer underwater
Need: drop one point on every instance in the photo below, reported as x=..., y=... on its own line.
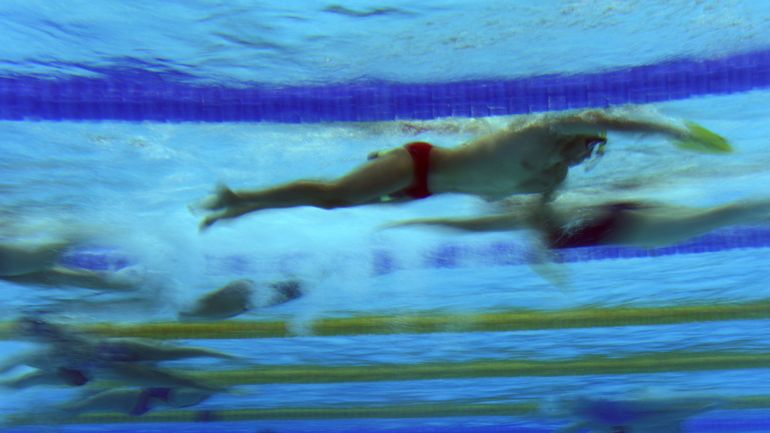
x=627, y=223
x=533, y=158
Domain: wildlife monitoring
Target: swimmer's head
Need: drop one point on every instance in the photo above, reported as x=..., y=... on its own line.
x=597, y=145
x=585, y=147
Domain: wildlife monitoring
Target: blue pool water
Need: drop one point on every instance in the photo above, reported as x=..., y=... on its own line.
x=115, y=117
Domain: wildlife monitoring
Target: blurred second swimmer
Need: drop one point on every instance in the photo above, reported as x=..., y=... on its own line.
x=69, y=357
x=241, y=296
x=625, y=223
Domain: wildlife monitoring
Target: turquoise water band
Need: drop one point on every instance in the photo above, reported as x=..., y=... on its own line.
x=144, y=95
x=425, y=410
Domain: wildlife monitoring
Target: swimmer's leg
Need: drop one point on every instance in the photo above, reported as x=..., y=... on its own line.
x=386, y=174
x=222, y=198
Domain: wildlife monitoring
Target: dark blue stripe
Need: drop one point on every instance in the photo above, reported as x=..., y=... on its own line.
x=291, y=427
x=726, y=239
x=453, y=255
x=744, y=421
x=95, y=259
x=137, y=94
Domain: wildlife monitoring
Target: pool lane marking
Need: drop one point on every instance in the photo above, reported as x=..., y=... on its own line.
x=143, y=95
x=427, y=323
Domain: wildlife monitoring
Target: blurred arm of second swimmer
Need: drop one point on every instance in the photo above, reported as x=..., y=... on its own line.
x=231, y=300
x=24, y=259
x=240, y=296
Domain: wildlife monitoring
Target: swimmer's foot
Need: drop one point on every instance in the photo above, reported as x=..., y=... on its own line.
x=212, y=219
x=229, y=212
x=222, y=198
x=224, y=204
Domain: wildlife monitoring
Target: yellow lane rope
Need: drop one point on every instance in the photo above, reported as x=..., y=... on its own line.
x=431, y=323
x=594, y=365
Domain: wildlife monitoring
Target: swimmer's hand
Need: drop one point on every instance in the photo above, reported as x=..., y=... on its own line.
x=699, y=139
x=229, y=301
x=543, y=261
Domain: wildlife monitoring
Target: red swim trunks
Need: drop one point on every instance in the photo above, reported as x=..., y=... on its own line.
x=420, y=153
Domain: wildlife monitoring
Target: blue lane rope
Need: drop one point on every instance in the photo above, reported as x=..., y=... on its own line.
x=514, y=253
x=456, y=254
x=138, y=95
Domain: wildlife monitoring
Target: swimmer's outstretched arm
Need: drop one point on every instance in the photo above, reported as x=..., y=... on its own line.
x=492, y=223
x=690, y=135
x=667, y=225
x=597, y=121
